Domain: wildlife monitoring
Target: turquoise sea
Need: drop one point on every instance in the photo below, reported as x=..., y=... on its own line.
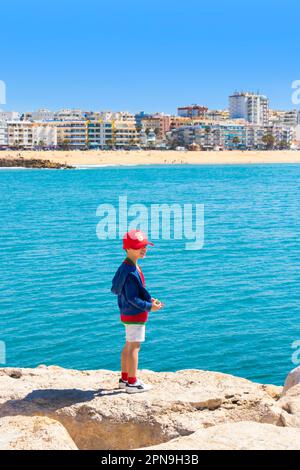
x=232, y=306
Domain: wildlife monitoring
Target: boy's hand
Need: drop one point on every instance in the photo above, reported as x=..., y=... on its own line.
x=156, y=305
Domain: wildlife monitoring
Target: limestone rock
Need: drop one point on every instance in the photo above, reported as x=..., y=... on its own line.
x=237, y=436
x=98, y=415
x=292, y=379
x=33, y=433
x=290, y=403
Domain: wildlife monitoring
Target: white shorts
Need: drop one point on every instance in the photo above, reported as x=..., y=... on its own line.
x=135, y=333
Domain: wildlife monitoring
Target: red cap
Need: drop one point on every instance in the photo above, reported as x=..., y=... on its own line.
x=135, y=239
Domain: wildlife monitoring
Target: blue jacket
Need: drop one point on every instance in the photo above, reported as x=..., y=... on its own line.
x=133, y=298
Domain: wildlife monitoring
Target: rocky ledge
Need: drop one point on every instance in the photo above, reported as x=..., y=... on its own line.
x=56, y=408
x=32, y=163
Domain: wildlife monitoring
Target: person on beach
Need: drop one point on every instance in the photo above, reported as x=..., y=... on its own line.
x=135, y=303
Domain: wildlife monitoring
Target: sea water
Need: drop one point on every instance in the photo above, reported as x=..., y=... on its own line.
x=232, y=306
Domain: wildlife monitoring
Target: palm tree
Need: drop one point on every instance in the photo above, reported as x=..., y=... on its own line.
x=65, y=144
x=283, y=145
x=268, y=140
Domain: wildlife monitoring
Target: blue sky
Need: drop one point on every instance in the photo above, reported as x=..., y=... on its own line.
x=152, y=56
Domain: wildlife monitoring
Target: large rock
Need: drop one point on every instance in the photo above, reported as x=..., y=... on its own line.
x=97, y=415
x=245, y=435
x=290, y=403
x=292, y=379
x=290, y=399
x=33, y=433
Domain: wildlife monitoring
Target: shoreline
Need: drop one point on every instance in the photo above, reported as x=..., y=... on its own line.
x=145, y=165
x=110, y=158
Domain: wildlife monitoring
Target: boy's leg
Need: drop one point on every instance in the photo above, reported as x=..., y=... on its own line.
x=124, y=361
x=133, y=359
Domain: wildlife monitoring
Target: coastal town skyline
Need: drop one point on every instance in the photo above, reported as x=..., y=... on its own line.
x=247, y=124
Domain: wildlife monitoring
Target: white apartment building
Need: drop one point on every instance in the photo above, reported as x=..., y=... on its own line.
x=20, y=134
x=289, y=118
x=283, y=133
x=3, y=134
x=69, y=115
x=252, y=107
x=117, y=116
x=9, y=115
x=39, y=115
x=28, y=135
x=44, y=135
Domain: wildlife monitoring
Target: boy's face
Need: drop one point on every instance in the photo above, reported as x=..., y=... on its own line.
x=137, y=254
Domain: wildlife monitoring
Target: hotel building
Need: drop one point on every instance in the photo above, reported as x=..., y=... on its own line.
x=252, y=107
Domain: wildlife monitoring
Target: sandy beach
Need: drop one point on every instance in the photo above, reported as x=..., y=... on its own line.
x=149, y=157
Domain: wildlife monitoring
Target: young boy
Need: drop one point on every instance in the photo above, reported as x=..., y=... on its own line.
x=134, y=302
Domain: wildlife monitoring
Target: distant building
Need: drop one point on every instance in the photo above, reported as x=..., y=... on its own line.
x=143, y=138
x=252, y=107
x=287, y=118
x=231, y=136
x=92, y=115
x=69, y=115
x=3, y=134
x=151, y=137
x=28, y=135
x=162, y=123
x=117, y=116
x=217, y=115
x=139, y=117
x=44, y=135
x=71, y=134
x=39, y=115
x=20, y=134
x=9, y=116
x=191, y=111
x=112, y=133
x=297, y=136
x=158, y=123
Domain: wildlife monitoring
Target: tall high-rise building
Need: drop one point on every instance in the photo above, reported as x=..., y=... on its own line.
x=252, y=107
